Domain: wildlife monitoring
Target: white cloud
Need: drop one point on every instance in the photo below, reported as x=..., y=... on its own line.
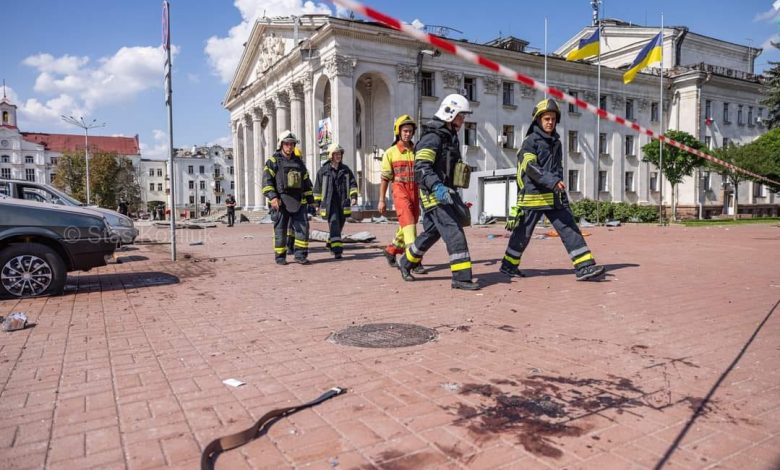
x=78, y=85
x=767, y=45
x=159, y=150
x=225, y=142
x=770, y=15
x=224, y=53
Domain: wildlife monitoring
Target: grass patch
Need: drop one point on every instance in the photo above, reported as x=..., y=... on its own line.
x=711, y=222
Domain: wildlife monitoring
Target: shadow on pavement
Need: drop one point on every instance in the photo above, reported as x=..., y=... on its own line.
x=118, y=281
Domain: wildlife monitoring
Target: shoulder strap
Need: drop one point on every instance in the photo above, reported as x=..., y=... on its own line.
x=215, y=447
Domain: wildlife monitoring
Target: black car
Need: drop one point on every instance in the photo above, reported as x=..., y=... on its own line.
x=40, y=243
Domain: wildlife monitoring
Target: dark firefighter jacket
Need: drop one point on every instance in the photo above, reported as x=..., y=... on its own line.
x=334, y=187
x=539, y=169
x=436, y=154
x=275, y=181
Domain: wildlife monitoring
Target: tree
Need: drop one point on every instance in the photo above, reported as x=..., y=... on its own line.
x=103, y=171
x=128, y=186
x=71, y=174
x=677, y=164
x=770, y=145
x=751, y=157
x=772, y=92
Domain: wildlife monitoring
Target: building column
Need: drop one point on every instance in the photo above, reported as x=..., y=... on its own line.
x=271, y=131
x=340, y=70
x=295, y=93
x=258, y=158
x=282, y=102
x=249, y=163
x=312, y=156
x=238, y=166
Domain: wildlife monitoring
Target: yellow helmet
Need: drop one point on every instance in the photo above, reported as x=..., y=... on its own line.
x=334, y=147
x=401, y=121
x=547, y=106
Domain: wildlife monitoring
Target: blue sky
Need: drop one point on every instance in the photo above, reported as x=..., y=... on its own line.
x=102, y=59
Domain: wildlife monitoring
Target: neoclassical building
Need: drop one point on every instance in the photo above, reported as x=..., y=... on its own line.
x=328, y=78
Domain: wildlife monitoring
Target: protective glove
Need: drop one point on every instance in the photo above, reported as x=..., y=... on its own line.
x=442, y=194
x=515, y=215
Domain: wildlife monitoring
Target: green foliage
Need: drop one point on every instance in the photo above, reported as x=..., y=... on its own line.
x=71, y=171
x=772, y=92
x=110, y=178
x=769, y=143
x=677, y=164
x=606, y=210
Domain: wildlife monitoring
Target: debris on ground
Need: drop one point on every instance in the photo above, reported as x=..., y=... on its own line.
x=248, y=237
x=266, y=219
x=196, y=243
x=359, y=237
x=613, y=223
x=233, y=382
x=585, y=223
x=14, y=321
x=552, y=233
x=540, y=237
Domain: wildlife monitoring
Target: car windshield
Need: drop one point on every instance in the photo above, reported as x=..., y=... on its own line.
x=59, y=197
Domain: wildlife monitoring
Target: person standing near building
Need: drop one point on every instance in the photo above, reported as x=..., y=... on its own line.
x=336, y=192
x=398, y=169
x=230, y=203
x=122, y=208
x=542, y=192
x=437, y=164
x=286, y=184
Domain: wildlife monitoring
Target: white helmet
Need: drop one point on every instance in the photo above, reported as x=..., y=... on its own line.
x=286, y=136
x=451, y=106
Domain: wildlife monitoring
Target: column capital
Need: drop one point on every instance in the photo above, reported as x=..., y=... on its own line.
x=257, y=113
x=452, y=79
x=269, y=107
x=339, y=65
x=296, y=91
x=282, y=99
x=308, y=82
x=492, y=84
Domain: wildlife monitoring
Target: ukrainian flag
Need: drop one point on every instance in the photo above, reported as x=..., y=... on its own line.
x=649, y=54
x=588, y=47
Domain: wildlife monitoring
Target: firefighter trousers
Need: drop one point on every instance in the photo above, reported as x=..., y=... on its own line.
x=563, y=222
x=441, y=222
x=406, y=200
x=300, y=226
x=336, y=221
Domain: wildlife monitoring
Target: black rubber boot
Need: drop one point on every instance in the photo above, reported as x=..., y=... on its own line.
x=590, y=273
x=511, y=271
x=405, y=274
x=466, y=285
x=390, y=259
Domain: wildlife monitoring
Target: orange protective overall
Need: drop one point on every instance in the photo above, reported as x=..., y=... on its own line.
x=398, y=168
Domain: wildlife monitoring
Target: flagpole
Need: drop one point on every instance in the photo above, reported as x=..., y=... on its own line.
x=169, y=105
x=661, y=132
x=545, y=54
x=597, y=152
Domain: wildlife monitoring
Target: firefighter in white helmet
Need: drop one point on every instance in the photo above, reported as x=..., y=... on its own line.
x=335, y=190
x=287, y=187
x=439, y=171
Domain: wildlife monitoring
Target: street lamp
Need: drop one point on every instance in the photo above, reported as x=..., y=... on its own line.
x=80, y=122
x=420, y=55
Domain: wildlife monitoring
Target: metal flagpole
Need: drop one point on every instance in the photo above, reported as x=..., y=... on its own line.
x=545, y=54
x=169, y=104
x=597, y=148
x=661, y=132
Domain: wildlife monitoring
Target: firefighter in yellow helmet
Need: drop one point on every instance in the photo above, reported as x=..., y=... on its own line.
x=439, y=171
x=286, y=185
x=335, y=190
x=542, y=192
x=398, y=169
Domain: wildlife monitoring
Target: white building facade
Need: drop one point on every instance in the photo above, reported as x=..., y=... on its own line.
x=356, y=77
x=202, y=175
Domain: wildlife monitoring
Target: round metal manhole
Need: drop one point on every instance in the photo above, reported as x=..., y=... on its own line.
x=383, y=335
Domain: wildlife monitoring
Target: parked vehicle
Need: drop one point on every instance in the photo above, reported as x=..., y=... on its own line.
x=41, y=242
x=121, y=226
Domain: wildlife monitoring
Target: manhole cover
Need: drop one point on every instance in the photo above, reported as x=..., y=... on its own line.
x=383, y=335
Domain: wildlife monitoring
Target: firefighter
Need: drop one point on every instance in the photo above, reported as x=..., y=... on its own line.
x=288, y=189
x=336, y=192
x=541, y=192
x=398, y=169
x=438, y=171
x=290, y=231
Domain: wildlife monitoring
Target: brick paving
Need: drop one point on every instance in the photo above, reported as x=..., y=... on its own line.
x=125, y=370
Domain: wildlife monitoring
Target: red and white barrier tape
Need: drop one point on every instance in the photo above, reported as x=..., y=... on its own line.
x=466, y=54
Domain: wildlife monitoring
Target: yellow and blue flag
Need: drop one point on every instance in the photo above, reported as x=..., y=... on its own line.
x=588, y=47
x=651, y=53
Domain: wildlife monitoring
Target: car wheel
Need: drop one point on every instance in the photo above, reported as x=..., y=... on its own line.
x=31, y=269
